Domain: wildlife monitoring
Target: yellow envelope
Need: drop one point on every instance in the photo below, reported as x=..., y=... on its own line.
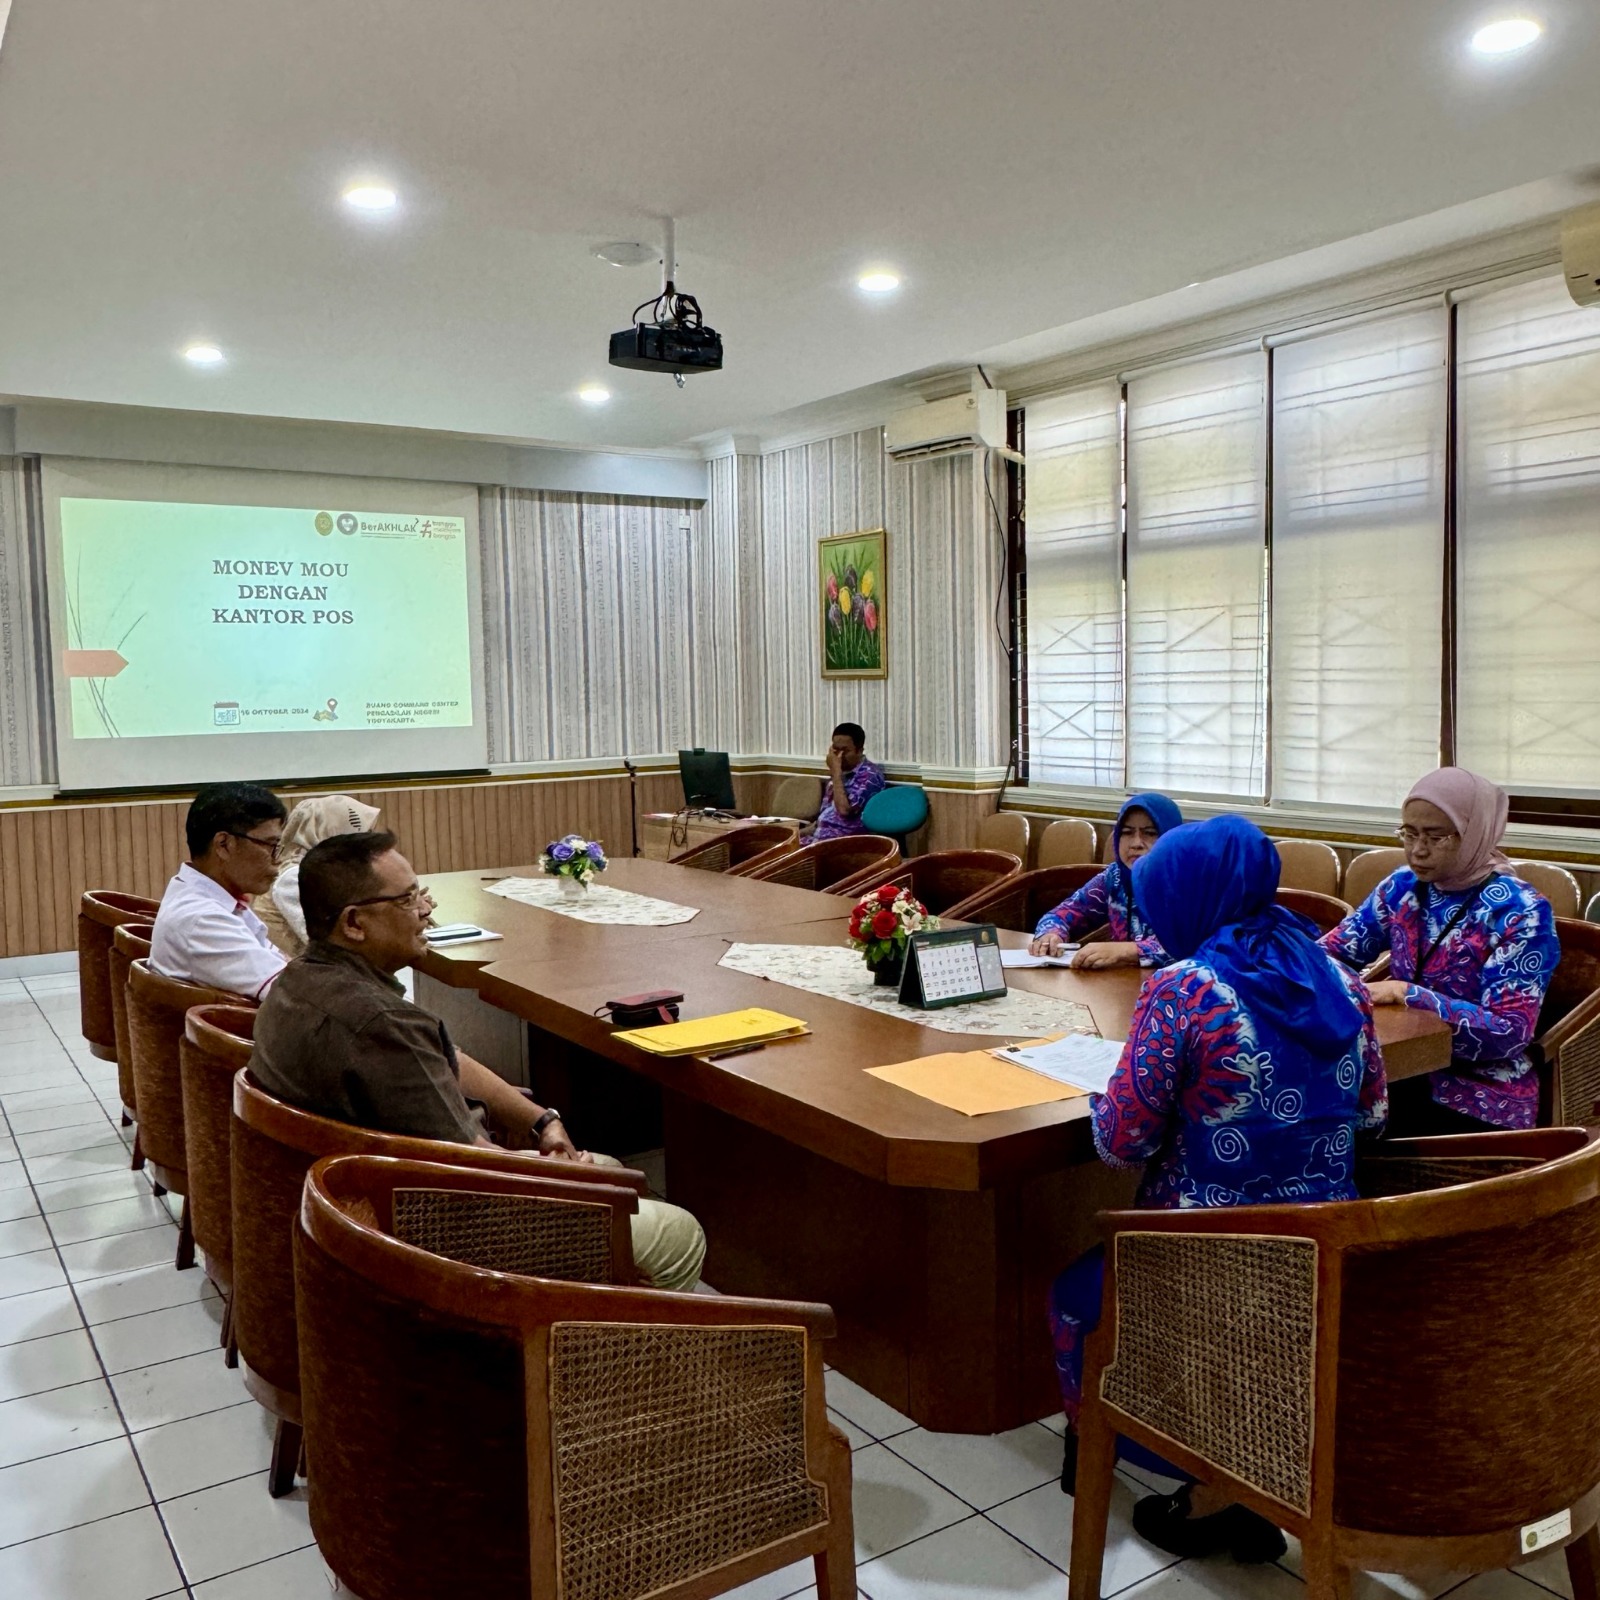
x=974, y=1082
x=722, y=1032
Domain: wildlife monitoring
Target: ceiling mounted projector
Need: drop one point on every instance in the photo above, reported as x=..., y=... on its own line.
x=674, y=337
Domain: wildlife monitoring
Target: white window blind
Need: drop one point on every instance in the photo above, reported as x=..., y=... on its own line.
x=1196, y=532
x=1528, y=657
x=1074, y=710
x=1359, y=420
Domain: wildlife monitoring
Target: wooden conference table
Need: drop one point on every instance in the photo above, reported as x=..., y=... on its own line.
x=933, y=1235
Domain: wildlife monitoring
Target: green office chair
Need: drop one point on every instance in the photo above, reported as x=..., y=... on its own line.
x=897, y=811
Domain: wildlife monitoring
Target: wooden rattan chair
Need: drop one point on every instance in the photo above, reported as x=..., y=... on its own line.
x=742, y=848
x=1591, y=912
x=1326, y=910
x=272, y=1147
x=1068, y=842
x=1405, y=1383
x=858, y=861
x=945, y=878
x=477, y=1391
x=1566, y=1049
x=215, y=1046
x=1005, y=830
x=1308, y=864
x=1368, y=870
x=1019, y=902
x=100, y=913
x=129, y=943
x=1556, y=884
x=157, y=1006
x=800, y=798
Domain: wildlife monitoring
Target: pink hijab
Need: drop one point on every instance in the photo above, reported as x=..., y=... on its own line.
x=1478, y=809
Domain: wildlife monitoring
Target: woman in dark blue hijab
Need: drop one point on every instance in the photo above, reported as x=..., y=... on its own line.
x=1251, y=1062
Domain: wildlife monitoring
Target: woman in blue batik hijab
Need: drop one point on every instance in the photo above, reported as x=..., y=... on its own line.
x=1108, y=900
x=1251, y=1062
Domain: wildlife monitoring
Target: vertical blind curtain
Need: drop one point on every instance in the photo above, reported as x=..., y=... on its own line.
x=27, y=747
x=1196, y=577
x=1358, y=441
x=1528, y=367
x=1075, y=647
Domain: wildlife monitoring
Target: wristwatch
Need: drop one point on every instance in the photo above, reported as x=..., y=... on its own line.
x=552, y=1115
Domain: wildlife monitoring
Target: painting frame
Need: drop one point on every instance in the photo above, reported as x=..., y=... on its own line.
x=853, y=621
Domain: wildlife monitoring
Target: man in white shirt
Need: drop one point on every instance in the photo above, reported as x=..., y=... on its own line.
x=205, y=931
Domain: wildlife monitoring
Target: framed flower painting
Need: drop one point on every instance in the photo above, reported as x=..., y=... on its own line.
x=851, y=601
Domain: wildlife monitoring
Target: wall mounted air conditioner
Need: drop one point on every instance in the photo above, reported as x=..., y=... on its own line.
x=975, y=421
x=1580, y=254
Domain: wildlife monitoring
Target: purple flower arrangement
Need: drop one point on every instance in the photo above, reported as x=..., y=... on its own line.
x=573, y=856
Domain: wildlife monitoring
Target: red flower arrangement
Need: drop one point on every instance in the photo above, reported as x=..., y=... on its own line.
x=884, y=919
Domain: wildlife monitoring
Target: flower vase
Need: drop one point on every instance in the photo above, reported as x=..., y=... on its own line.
x=572, y=889
x=886, y=973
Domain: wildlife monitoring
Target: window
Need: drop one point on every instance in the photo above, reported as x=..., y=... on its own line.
x=1196, y=532
x=1074, y=711
x=1358, y=432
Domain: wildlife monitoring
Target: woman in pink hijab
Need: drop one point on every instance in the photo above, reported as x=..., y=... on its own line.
x=1468, y=942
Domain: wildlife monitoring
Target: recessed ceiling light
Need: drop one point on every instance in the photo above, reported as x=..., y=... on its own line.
x=628, y=253
x=371, y=197
x=1501, y=38
x=203, y=355
x=878, y=282
x=593, y=394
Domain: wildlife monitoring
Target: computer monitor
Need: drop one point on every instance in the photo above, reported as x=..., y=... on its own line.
x=707, y=778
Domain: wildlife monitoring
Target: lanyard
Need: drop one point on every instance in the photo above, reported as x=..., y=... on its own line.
x=1456, y=918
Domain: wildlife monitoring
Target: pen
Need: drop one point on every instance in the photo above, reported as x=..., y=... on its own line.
x=742, y=1050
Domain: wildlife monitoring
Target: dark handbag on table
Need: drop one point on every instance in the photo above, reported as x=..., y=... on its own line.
x=646, y=1010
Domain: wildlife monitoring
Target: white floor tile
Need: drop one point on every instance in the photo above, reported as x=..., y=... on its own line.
x=797, y=1578
x=172, y=1390
x=1550, y=1570
x=64, y=1076
x=70, y=1114
x=60, y=1419
x=18, y=1202
x=984, y=1470
x=13, y=1174
x=48, y=1363
x=38, y=1269
x=63, y=1491
x=182, y=1458
x=972, y=1561
x=38, y=1315
x=69, y=1194
x=859, y=1438
x=118, y=1558
x=121, y=1252
x=894, y=1503
x=1383, y=1585
x=234, y=1525
x=108, y=1156
x=1042, y=1520
x=186, y=1330
x=8, y=1148
x=76, y=1136
x=109, y=1217
x=1055, y=1422
x=52, y=983
x=300, y=1576
x=131, y=1294
x=1221, y=1580
x=22, y=1236
x=1500, y=1585
x=79, y=1094
x=867, y=1411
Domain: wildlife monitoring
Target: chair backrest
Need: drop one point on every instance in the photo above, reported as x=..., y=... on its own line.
x=100, y=913
x=634, y=1440
x=945, y=878
x=834, y=865
x=1577, y=974
x=1005, y=830
x=896, y=811
x=739, y=846
x=130, y=943
x=216, y=1044
x=1567, y=1046
x=1018, y=903
x=273, y=1145
x=1556, y=884
x=797, y=797
x=156, y=1009
x=1067, y=842
x=1326, y=910
x=1308, y=864
x=1591, y=912
x=1367, y=870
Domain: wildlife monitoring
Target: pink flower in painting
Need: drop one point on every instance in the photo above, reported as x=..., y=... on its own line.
x=833, y=587
x=869, y=615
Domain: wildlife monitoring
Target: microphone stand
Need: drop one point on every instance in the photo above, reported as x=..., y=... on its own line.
x=633, y=800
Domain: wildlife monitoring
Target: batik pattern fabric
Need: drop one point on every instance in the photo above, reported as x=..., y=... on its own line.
x=1105, y=901
x=861, y=782
x=1486, y=977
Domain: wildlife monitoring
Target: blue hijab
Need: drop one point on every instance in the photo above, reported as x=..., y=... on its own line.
x=1207, y=890
x=1161, y=811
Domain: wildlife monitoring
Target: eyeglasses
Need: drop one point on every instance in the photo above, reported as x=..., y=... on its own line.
x=1432, y=837
x=270, y=845
x=412, y=900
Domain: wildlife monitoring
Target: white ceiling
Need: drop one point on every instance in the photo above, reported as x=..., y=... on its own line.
x=169, y=171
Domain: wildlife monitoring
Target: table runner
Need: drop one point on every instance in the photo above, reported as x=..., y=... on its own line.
x=618, y=907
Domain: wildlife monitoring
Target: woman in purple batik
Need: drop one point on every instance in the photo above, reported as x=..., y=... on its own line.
x=1251, y=1063
x=1466, y=941
x=852, y=781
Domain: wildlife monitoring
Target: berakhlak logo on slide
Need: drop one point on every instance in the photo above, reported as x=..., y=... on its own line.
x=347, y=523
x=324, y=523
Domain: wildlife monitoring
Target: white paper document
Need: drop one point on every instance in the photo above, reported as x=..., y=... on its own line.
x=1078, y=1060
x=1021, y=958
